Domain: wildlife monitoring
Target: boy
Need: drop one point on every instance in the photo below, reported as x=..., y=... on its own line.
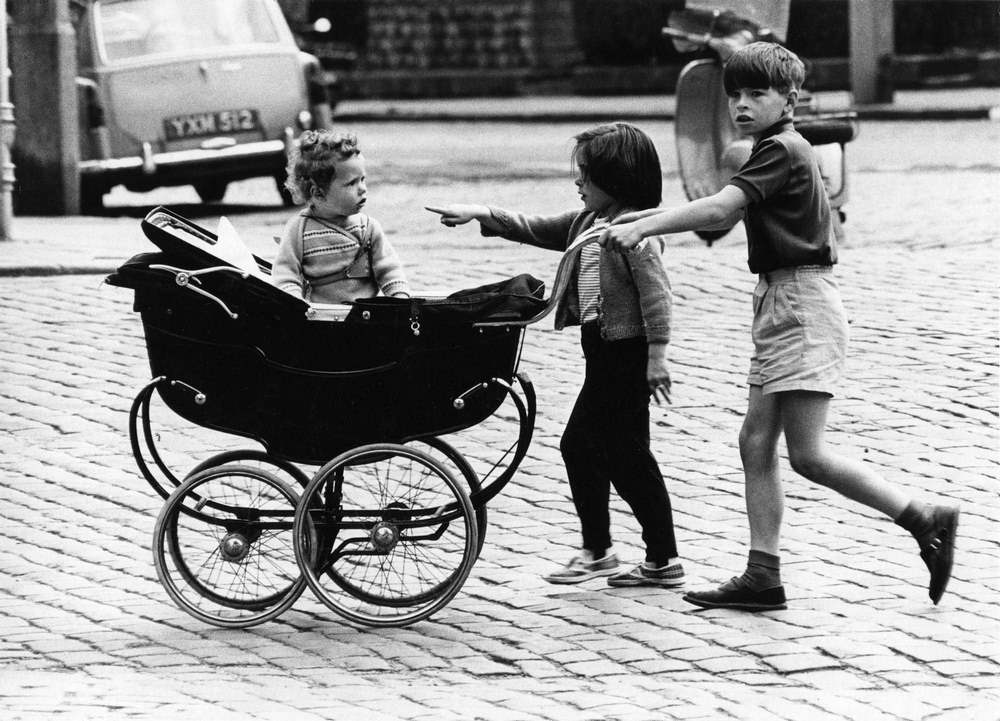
x=799, y=328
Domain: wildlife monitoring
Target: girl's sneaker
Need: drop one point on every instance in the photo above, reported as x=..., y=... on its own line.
x=578, y=570
x=669, y=576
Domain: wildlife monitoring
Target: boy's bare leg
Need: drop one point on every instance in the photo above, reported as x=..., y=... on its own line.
x=759, y=588
x=803, y=418
x=765, y=497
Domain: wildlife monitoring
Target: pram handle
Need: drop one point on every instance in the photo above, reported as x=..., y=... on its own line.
x=184, y=277
x=566, y=265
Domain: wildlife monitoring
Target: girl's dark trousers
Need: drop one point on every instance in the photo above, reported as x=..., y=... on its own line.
x=606, y=442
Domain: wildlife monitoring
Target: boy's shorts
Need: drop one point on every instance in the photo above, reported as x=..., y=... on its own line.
x=799, y=331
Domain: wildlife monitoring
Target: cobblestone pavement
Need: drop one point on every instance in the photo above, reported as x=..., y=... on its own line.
x=86, y=631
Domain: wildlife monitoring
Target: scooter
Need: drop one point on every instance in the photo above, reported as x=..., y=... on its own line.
x=709, y=148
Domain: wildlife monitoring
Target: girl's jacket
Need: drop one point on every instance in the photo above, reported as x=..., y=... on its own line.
x=635, y=292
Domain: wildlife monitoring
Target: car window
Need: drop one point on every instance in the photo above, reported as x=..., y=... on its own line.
x=127, y=29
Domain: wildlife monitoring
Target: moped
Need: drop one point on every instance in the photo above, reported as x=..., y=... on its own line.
x=709, y=148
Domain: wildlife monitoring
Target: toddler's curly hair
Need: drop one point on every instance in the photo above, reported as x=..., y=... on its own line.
x=312, y=164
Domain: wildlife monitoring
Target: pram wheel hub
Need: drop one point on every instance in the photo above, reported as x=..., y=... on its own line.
x=384, y=537
x=234, y=547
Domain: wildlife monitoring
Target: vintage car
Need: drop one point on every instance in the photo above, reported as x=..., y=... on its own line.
x=190, y=92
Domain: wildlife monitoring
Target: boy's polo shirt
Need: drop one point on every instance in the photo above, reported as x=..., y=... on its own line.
x=788, y=219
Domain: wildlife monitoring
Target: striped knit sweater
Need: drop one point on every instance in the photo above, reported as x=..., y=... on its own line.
x=322, y=262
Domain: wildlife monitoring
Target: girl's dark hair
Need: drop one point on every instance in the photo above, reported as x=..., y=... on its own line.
x=622, y=161
x=312, y=163
x=763, y=65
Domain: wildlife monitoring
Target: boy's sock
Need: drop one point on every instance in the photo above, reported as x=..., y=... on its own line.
x=934, y=527
x=917, y=519
x=763, y=571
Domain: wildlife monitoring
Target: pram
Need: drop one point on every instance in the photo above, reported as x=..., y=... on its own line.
x=388, y=528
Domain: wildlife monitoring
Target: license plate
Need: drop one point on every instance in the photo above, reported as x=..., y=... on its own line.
x=223, y=122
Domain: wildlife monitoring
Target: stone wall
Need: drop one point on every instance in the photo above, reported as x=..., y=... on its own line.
x=427, y=48
x=431, y=34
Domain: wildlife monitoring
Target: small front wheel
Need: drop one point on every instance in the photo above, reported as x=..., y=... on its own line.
x=222, y=546
x=385, y=535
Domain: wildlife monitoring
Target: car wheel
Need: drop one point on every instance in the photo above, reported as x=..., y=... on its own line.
x=286, y=198
x=211, y=191
x=91, y=200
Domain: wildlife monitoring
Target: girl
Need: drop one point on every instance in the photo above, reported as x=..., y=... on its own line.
x=331, y=252
x=622, y=303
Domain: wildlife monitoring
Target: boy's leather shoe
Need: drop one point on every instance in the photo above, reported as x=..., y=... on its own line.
x=937, y=549
x=735, y=593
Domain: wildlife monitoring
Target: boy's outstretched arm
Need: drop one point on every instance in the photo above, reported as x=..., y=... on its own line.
x=460, y=213
x=702, y=214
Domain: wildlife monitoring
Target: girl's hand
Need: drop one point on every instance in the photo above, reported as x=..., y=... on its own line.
x=621, y=237
x=657, y=372
x=452, y=215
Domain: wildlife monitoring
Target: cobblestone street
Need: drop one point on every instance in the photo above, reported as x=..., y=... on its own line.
x=86, y=630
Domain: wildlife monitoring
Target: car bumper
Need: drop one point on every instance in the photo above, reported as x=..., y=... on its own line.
x=185, y=166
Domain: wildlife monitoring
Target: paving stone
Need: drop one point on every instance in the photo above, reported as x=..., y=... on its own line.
x=81, y=610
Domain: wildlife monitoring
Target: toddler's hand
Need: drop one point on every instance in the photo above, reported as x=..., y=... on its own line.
x=452, y=215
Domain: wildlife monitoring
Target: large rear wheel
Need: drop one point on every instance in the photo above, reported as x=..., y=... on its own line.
x=385, y=535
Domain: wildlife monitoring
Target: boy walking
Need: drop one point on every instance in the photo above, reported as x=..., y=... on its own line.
x=799, y=328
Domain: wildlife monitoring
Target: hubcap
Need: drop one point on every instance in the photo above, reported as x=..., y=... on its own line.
x=384, y=537
x=234, y=547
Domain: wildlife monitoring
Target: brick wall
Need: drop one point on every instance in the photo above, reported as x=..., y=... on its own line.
x=429, y=48
x=463, y=34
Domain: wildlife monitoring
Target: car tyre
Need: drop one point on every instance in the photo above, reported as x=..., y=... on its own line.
x=91, y=200
x=211, y=191
x=286, y=198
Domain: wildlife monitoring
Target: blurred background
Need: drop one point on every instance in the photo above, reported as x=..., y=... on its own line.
x=435, y=48
x=147, y=94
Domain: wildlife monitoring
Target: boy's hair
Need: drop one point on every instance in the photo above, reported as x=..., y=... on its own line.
x=622, y=161
x=312, y=164
x=763, y=65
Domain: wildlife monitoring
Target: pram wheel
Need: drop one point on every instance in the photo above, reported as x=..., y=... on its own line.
x=254, y=458
x=460, y=462
x=222, y=546
x=385, y=535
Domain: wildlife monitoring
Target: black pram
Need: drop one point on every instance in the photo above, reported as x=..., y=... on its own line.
x=388, y=528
